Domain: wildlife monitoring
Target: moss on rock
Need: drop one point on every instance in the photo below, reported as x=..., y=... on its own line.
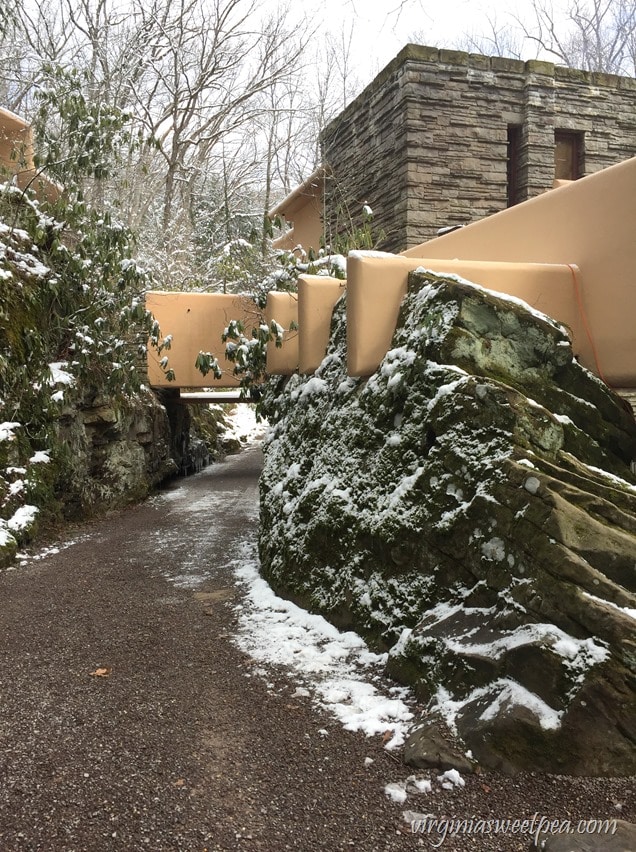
x=471, y=508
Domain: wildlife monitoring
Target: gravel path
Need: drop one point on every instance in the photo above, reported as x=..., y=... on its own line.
x=129, y=720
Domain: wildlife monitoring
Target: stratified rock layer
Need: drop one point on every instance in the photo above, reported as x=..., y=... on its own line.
x=470, y=508
x=115, y=451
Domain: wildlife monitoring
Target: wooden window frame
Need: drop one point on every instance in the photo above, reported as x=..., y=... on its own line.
x=569, y=151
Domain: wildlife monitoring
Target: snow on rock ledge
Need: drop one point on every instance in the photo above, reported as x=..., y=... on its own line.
x=470, y=508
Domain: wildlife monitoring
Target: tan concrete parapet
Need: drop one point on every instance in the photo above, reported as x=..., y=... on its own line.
x=16, y=143
x=570, y=254
x=196, y=322
x=589, y=223
x=377, y=284
x=283, y=308
x=317, y=296
x=17, y=157
x=303, y=210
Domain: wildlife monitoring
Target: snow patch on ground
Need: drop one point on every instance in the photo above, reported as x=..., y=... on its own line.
x=336, y=668
x=243, y=425
x=399, y=791
x=24, y=556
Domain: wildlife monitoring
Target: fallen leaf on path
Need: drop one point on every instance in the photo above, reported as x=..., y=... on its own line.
x=101, y=672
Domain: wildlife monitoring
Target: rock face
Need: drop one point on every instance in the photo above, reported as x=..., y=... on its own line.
x=101, y=453
x=115, y=452
x=194, y=438
x=470, y=508
x=608, y=836
x=104, y=453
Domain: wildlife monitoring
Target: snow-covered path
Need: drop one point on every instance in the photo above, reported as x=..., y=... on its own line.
x=131, y=717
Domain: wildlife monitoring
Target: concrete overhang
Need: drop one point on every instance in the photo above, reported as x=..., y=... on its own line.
x=298, y=197
x=17, y=158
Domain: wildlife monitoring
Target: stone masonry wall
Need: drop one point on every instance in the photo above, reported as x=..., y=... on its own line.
x=369, y=145
x=426, y=143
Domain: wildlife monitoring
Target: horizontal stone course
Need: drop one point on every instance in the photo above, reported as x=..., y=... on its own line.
x=441, y=117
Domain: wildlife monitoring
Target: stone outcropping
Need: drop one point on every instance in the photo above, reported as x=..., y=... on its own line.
x=104, y=453
x=115, y=451
x=471, y=509
x=100, y=453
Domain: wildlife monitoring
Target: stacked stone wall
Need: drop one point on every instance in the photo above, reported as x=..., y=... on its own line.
x=371, y=140
x=426, y=144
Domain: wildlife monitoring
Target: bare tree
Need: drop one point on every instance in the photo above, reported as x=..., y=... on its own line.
x=594, y=35
x=8, y=16
x=203, y=81
x=191, y=76
x=498, y=40
x=600, y=35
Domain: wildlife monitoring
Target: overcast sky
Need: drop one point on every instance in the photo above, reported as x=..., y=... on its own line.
x=380, y=29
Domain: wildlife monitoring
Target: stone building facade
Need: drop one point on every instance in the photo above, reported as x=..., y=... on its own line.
x=443, y=138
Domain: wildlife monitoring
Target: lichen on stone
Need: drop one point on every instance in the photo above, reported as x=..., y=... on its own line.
x=470, y=508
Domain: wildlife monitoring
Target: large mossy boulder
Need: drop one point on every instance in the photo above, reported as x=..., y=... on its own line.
x=471, y=509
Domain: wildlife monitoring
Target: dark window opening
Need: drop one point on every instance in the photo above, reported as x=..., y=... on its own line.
x=513, y=163
x=568, y=155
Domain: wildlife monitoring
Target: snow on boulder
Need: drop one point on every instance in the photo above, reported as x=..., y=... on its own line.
x=475, y=519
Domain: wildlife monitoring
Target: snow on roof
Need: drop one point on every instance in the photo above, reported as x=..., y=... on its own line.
x=298, y=198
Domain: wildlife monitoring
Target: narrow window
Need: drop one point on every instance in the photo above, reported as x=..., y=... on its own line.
x=514, y=163
x=568, y=155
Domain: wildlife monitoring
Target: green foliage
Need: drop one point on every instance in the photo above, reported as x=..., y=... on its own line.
x=97, y=321
x=207, y=363
x=358, y=233
x=228, y=247
x=72, y=323
x=78, y=140
x=248, y=351
x=238, y=267
x=249, y=354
